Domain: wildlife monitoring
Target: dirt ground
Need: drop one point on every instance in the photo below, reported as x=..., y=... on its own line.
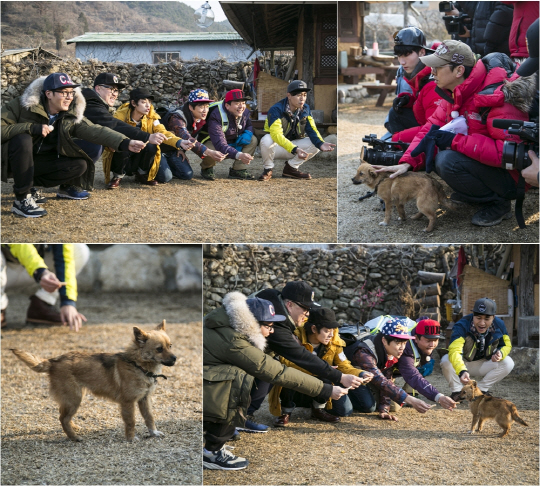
x=35, y=450
x=225, y=210
x=358, y=221
x=431, y=448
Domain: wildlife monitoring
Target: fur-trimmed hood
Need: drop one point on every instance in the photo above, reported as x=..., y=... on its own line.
x=31, y=98
x=521, y=92
x=242, y=320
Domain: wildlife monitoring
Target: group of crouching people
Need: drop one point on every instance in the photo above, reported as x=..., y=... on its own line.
x=54, y=134
x=284, y=346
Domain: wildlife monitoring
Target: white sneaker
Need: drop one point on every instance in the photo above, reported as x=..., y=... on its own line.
x=28, y=208
x=223, y=459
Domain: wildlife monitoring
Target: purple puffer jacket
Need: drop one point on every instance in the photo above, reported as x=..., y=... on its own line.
x=222, y=140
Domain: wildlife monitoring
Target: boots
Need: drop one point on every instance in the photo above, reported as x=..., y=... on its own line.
x=40, y=312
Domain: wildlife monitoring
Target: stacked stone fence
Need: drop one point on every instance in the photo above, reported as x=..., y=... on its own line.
x=167, y=82
x=339, y=276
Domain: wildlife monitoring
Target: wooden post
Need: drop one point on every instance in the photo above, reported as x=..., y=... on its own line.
x=526, y=280
x=431, y=277
x=308, y=53
x=502, y=266
x=431, y=289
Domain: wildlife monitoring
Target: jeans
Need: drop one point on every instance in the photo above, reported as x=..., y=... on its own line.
x=473, y=181
x=362, y=399
x=93, y=150
x=129, y=162
x=172, y=166
x=291, y=399
x=259, y=390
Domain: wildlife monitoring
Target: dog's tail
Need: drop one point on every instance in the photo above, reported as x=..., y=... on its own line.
x=33, y=362
x=516, y=416
x=444, y=200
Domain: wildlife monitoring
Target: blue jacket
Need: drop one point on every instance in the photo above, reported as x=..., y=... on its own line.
x=463, y=343
x=279, y=125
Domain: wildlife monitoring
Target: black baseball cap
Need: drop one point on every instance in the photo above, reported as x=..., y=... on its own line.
x=299, y=292
x=263, y=310
x=323, y=317
x=56, y=81
x=411, y=36
x=109, y=79
x=485, y=306
x=297, y=86
x=140, y=94
x=530, y=65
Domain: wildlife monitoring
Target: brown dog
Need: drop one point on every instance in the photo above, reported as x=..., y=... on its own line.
x=484, y=407
x=125, y=378
x=412, y=185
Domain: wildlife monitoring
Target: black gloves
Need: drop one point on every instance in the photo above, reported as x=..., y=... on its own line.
x=400, y=102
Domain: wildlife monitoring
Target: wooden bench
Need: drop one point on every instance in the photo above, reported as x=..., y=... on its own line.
x=383, y=90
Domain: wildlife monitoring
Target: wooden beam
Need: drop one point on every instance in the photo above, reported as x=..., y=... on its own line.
x=308, y=50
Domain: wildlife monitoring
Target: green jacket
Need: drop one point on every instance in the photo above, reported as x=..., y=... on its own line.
x=233, y=353
x=27, y=113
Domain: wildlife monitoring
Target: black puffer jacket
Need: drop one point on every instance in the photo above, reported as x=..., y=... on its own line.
x=490, y=27
x=283, y=342
x=97, y=111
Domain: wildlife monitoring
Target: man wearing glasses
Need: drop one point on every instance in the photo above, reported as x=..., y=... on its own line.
x=294, y=302
x=99, y=102
x=38, y=143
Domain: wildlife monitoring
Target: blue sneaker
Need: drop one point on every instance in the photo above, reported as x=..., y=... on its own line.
x=72, y=192
x=253, y=427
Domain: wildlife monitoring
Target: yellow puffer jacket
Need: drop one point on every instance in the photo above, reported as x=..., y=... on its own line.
x=333, y=355
x=149, y=124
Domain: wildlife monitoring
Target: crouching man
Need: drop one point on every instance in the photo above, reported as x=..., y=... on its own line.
x=320, y=336
x=38, y=143
x=234, y=343
x=481, y=341
x=292, y=134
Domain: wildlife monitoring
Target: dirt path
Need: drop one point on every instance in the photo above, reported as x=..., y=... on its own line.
x=35, y=450
x=195, y=211
x=433, y=448
x=358, y=221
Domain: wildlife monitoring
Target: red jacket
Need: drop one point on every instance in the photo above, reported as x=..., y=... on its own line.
x=525, y=13
x=424, y=101
x=483, y=142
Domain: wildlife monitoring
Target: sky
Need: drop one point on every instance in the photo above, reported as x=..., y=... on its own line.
x=216, y=7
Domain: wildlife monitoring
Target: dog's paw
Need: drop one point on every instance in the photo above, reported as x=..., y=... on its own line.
x=135, y=439
x=156, y=433
x=382, y=223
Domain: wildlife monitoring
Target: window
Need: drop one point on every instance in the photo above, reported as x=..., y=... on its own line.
x=160, y=57
x=326, y=51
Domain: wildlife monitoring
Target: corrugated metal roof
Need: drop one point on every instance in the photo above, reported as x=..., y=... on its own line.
x=12, y=52
x=165, y=37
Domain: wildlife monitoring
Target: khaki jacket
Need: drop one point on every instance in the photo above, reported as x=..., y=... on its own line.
x=233, y=353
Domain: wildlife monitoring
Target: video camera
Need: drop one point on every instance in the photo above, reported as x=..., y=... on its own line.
x=382, y=153
x=515, y=155
x=455, y=24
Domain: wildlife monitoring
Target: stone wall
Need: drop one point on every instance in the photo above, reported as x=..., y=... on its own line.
x=166, y=81
x=338, y=276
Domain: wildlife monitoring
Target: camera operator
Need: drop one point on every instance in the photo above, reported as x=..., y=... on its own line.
x=411, y=110
x=470, y=163
x=528, y=68
x=489, y=26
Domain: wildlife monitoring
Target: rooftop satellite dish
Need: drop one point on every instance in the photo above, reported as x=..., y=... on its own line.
x=204, y=16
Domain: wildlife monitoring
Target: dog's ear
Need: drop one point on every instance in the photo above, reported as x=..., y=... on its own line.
x=473, y=383
x=140, y=336
x=161, y=327
x=372, y=173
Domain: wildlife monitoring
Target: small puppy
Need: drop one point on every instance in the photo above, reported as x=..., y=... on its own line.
x=484, y=407
x=412, y=185
x=125, y=378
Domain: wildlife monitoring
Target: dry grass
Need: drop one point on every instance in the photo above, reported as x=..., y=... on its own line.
x=225, y=210
x=358, y=221
x=35, y=450
x=433, y=448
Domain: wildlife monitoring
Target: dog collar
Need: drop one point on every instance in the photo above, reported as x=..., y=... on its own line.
x=476, y=398
x=146, y=372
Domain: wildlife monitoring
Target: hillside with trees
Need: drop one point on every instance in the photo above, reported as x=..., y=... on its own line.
x=50, y=24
